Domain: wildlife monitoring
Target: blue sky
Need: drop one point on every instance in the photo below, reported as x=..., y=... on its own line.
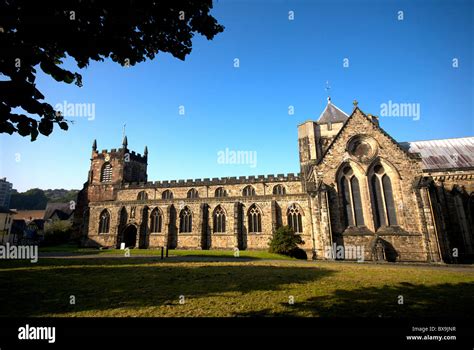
x=282, y=63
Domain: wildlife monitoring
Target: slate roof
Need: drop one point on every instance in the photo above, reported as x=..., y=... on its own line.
x=443, y=154
x=332, y=114
x=63, y=211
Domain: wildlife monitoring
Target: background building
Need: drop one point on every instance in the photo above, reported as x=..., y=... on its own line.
x=5, y=192
x=6, y=221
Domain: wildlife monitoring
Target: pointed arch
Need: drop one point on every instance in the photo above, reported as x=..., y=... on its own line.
x=383, y=204
x=254, y=216
x=156, y=220
x=294, y=218
x=389, y=168
x=104, y=221
x=357, y=201
x=350, y=194
x=185, y=220
x=123, y=216
x=219, y=219
x=389, y=202
x=359, y=171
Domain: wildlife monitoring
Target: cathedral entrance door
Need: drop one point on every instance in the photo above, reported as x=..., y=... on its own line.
x=130, y=236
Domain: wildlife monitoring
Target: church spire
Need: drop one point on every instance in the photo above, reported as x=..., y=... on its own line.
x=94, y=145
x=146, y=151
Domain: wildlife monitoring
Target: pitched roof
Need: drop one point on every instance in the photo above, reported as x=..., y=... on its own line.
x=332, y=114
x=444, y=153
x=29, y=214
x=63, y=210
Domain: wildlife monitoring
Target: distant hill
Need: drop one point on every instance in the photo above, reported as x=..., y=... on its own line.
x=36, y=199
x=61, y=195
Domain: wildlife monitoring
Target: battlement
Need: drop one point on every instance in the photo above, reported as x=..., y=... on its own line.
x=119, y=153
x=233, y=180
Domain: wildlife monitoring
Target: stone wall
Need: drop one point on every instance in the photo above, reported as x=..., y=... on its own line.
x=403, y=170
x=202, y=235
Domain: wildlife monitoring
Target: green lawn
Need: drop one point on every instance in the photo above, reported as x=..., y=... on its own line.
x=151, y=287
x=74, y=250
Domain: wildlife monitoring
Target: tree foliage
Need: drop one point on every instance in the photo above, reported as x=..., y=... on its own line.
x=33, y=199
x=37, y=199
x=57, y=232
x=40, y=34
x=285, y=241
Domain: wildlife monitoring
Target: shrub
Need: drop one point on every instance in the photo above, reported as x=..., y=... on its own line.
x=57, y=232
x=285, y=241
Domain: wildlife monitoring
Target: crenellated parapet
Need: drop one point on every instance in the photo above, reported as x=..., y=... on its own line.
x=124, y=153
x=233, y=180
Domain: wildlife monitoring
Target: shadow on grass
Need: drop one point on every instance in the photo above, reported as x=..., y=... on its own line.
x=104, y=284
x=419, y=301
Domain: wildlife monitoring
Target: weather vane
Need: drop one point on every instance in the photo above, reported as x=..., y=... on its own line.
x=327, y=88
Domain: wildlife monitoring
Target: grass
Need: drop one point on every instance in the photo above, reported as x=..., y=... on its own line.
x=151, y=287
x=74, y=250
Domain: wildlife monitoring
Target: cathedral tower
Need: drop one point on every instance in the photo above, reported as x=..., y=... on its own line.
x=110, y=169
x=315, y=136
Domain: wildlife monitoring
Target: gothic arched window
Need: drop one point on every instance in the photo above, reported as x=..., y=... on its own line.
x=104, y=221
x=167, y=195
x=294, y=219
x=279, y=190
x=106, y=173
x=185, y=220
x=156, y=220
x=254, y=219
x=123, y=216
x=351, y=199
x=142, y=196
x=248, y=191
x=219, y=219
x=221, y=192
x=382, y=198
x=193, y=193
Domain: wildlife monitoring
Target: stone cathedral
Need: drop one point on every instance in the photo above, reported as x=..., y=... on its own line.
x=410, y=201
